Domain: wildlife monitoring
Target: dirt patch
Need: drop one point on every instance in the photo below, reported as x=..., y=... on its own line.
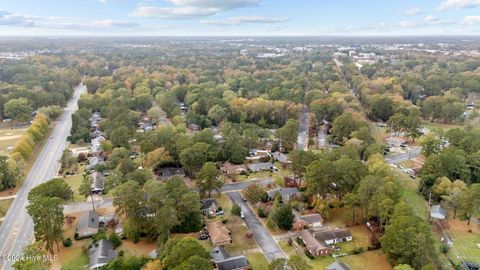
x=8, y=138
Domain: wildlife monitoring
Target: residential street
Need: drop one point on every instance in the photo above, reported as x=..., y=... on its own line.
x=265, y=240
x=243, y=185
x=413, y=153
x=16, y=230
x=302, y=141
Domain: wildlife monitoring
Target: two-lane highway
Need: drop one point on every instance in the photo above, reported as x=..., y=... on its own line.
x=16, y=230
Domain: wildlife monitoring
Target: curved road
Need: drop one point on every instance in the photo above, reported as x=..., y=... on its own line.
x=16, y=230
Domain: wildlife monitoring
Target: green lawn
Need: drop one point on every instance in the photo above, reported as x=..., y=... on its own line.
x=78, y=261
x=257, y=261
x=465, y=245
x=75, y=181
x=4, y=206
x=8, y=138
x=240, y=241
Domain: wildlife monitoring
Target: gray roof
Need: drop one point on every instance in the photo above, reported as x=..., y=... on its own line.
x=93, y=161
x=219, y=254
x=286, y=193
x=87, y=224
x=208, y=204
x=101, y=253
x=260, y=166
x=338, y=266
x=436, y=211
x=331, y=234
x=238, y=262
x=280, y=157
x=98, y=181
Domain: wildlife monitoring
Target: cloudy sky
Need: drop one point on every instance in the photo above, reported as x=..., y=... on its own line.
x=239, y=17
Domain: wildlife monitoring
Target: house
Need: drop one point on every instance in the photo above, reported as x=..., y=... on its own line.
x=332, y=236
x=286, y=193
x=469, y=265
x=219, y=234
x=101, y=253
x=223, y=261
x=94, y=161
x=166, y=173
x=262, y=166
x=338, y=266
x=87, y=225
x=314, y=247
x=258, y=154
x=311, y=221
x=230, y=168
x=209, y=206
x=97, y=182
x=95, y=145
x=282, y=158
x=437, y=212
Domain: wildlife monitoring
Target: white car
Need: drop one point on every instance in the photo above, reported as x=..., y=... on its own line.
x=242, y=215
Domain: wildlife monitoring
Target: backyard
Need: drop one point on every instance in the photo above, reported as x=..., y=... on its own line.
x=8, y=138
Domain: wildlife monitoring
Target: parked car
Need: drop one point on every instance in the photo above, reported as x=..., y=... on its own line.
x=242, y=215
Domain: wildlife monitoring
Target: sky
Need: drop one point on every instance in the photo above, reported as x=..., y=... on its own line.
x=239, y=17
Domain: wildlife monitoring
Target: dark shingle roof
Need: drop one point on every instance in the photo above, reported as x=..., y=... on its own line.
x=101, y=253
x=87, y=224
x=238, y=262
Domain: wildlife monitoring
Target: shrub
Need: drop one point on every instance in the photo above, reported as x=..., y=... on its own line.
x=262, y=213
x=224, y=220
x=116, y=241
x=309, y=255
x=99, y=236
x=67, y=242
x=236, y=210
x=357, y=250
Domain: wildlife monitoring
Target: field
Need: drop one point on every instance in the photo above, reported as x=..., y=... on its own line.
x=8, y=138
x=465, y=243
x=257, y=261
x=4, y=205
x=74, y=181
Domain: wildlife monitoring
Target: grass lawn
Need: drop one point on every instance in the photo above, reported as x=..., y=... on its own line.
x=411, y=196
x=240, y=241
x=370, y=260
x=435, y=125
x=74, y=181
x=4, y=206
x=77, y=260
x=8, y=138
x=465, y=243
x=257, y=261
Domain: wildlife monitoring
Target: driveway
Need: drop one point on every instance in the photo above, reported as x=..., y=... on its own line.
x=265, y=240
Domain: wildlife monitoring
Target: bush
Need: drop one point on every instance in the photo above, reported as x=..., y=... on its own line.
x=262, y=213
x=116, y=241
x=236, y=210
x=309, y=255
x=67, y=242
x=224, y=220
x=444, y=248
x=357, y=250
x=300, y=242
x=99, y=236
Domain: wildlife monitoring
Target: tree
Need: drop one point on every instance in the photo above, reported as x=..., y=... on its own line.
x=344, y=126
x=208, y=178
x=85, y=187
x=382, y=108
x=194, y=157
x=156, y=114
x=128, y=198
x=158, y=157
x=195, y=263
x=282, y=216
x=182, y=251
x=33, y=250
x=235, y=150
x=403, y=267
x=297, y=263
x=56, y=187
x=430, y=144
x=18, y=108
x=115, y=239
x=300, y=161
x=47, y=216
x=288, y=134
x=470, y=200
x=8, y=174
x=120, y=137
x=217, y=113
x=319, y=175
x=407, y=238
x=130, y=263
x=255, y=193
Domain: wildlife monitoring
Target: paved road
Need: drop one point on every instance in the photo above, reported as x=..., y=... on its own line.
x=412, y=153
x=16, y=230
x=302, y=143
x=265, y=240
x=243, y=185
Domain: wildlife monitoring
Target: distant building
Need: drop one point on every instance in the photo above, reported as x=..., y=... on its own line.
x=338, y=266
x=311, y=221
x=101, y=253
x=87, y=225
x=230, y=168
x=223, y=261
x=262, y=166
x=313, y=245
x=98, y=184
x=219, y=234
x=282, y=158
x=286, y=193
x=437, y=212
x=209, y=206
x=258, y=154
x=94, y=161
